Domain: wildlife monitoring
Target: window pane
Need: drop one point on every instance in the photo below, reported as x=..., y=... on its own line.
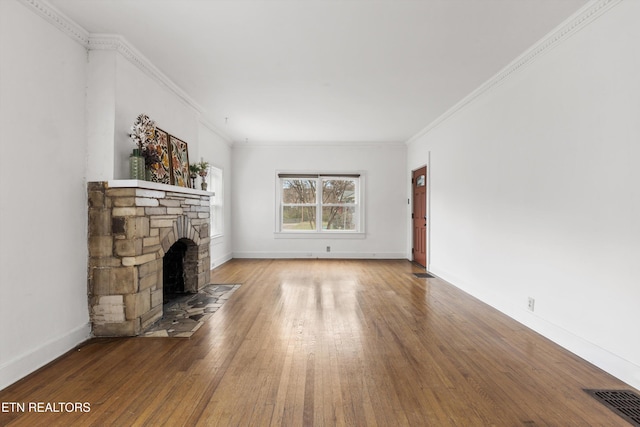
x=299, y=191
x=338, y=191
x=298, y=218
x=339, y=218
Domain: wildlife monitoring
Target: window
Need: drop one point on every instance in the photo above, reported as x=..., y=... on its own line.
x=315, y=203
x=216, y=201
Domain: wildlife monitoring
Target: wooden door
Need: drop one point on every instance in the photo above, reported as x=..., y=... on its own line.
x=419, y=216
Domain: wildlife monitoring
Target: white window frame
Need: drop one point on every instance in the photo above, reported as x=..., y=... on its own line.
x=215, y=178
x=319, y=232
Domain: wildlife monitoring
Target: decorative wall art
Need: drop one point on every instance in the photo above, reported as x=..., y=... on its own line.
x=160, y=171
x=179, y=162
x=164, y=158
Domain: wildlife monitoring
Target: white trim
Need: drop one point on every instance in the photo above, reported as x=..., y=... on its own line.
x=428, y=201
x=27, y=363
x=221, y=260
x=320, y=255
x=59, y=20
x=570, y=26
x=321, y=144
x=318, y=235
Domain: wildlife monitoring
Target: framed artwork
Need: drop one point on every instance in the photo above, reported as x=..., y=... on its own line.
x=161, y=171
x=179, y=162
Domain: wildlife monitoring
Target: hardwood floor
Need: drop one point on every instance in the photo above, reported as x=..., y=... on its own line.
x=326, y=342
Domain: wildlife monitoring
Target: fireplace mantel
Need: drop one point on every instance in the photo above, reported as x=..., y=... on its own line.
x=132, y=225
x=135, y=183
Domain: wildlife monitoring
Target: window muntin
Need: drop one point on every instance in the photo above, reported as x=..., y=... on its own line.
x=335, y=199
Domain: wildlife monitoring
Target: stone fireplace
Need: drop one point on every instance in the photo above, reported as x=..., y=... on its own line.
x=133, y=225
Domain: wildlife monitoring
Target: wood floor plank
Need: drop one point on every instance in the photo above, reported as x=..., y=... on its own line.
x=326, y=342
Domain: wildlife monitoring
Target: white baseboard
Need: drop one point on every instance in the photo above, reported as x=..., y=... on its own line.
x=609, y=362
x=221, y=260
x=20, y=367
x=322, y=255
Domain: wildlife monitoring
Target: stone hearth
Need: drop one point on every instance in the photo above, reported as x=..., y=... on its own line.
x=132, y=224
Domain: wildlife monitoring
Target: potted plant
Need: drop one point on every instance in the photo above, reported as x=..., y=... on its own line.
x=194, y=171
x=203, y=170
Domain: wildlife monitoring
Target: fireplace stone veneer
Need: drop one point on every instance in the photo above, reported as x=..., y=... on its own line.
x=132, y=224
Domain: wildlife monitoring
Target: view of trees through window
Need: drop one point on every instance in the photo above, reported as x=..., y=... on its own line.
x=333, y=199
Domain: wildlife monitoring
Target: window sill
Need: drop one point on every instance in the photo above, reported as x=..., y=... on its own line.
x=315, y=235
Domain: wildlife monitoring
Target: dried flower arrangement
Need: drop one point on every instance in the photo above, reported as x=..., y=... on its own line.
x=143, y=133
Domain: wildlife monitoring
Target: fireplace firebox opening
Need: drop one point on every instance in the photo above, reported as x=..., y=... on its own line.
x=179, y=270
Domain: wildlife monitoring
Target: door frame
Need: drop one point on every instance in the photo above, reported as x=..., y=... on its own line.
x=427, y=166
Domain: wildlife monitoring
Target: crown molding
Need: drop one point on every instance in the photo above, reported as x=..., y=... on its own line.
x=321, y=144
x=119, y=44
x=114, y=42
x=583, y=17
x=59, y=20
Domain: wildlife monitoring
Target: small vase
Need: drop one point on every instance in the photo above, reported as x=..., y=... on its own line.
x=203, y=185
x=136, y=165
x=193, y=177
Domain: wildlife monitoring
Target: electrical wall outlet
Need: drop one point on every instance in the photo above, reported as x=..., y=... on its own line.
x=328, y=248
x=531, y=304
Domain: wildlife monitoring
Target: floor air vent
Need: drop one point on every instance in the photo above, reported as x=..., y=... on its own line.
x=623, y=402
x=423, y=275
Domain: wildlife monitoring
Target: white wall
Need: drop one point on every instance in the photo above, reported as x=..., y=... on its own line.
x=136, y=93
x=217, y=151
x=535, y=193
x=118, y=92
x=101, y=111
x=43, y=202
x=254, y=171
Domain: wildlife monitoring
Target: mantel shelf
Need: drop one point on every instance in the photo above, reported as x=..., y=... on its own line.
x=136, y=183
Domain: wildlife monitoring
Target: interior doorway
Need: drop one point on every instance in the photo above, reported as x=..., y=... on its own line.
x=419, y=216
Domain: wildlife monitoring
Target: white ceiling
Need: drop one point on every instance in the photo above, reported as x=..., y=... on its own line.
x=325, y=70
